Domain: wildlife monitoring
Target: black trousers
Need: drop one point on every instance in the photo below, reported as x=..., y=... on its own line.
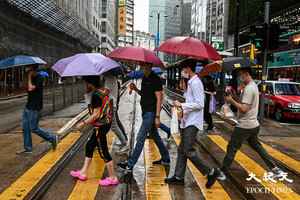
x=238, y=137
x=186, y=151
x=100, y=141
x=207, y=115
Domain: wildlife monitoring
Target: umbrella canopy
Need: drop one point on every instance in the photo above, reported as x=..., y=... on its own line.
x=211, y=68
x=140, y=74
x=20, y=61
x=231, y=63
x=85, y=64
x=137, y=55
x=189, y=46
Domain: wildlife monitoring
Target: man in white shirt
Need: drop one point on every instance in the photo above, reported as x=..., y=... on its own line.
x=191, y=123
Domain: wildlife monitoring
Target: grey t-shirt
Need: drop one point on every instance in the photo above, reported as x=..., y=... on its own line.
x=249, y=96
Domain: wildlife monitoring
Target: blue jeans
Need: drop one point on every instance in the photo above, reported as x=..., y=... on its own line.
x=147, y=127
x=30, y=123
x=166, y=129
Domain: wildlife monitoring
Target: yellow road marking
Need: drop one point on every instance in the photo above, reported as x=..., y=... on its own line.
x=217, y=192
x=155, y=187
x=88, y=189
x=23, y=185
x=290, y=162
x=251, y=166
x=287, y=160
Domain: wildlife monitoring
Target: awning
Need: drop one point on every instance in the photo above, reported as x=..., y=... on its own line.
x=51, y=14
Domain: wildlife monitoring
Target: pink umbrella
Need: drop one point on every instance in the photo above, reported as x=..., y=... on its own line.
x=191, y=47
x=137, y=55
x=84, y=64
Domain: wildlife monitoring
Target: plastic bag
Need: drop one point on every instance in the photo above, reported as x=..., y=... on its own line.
x=212, y=104
x=174, y=122
x=226, y=111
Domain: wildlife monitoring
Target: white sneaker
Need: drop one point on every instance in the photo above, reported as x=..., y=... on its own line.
x=277, y=172
x=118, y=142
x=123, y=150
x=222, y=176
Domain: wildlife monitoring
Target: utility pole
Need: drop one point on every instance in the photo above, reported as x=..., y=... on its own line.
x=265, y=61
x=237, y=27
x=157, y=34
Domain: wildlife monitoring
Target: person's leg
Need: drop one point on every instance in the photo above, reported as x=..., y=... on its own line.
x=141, y=137
x=256, y=145
x=34, y=125
x=89, y=151
x=165, y=157
x=105, y=151
x=116, y=129
x=181, y=158
x=166, y=129
x=26, y=131
x=235, y=143
x=207, y=114
x=120, y=124
x=237, y=138
x=190, y=135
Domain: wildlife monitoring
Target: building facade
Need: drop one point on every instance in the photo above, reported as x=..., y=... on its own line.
x=108, y=26
x=198, y=19
x=128, y=39
x=50, y=32
x=145, y=40
x=186, y=14
x=157, y=19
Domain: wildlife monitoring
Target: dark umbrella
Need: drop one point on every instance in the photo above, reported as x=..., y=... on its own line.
x=190, y=47
x=232, y=63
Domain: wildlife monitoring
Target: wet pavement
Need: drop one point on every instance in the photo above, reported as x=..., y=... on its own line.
x=147, y=181
x=12, y=165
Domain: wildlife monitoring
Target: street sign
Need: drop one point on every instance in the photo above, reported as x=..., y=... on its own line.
x=122, y=21
x=217, y=43
x=122, y=3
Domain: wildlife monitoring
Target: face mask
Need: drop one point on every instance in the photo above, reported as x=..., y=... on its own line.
x=185, y=75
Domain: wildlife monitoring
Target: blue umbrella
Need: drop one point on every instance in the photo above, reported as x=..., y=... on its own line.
x=44, y=74
x=140, y=74
x=20, y=61
x=136, y=74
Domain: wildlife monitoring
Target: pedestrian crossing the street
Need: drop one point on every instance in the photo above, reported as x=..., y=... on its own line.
x=250, y=165
x=154, y=186
x=88, y=189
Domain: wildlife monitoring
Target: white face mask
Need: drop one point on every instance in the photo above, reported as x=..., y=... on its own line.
x=185, y=75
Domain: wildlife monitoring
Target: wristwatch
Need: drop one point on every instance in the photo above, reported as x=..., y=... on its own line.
x=157, y=116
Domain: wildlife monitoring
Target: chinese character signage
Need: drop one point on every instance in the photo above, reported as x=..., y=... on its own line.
x=122, y=21
x=121, y=3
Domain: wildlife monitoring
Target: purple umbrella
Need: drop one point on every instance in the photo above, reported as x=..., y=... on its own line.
x=84, y=64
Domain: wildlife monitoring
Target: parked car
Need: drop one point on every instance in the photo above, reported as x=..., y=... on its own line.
x=282, y=99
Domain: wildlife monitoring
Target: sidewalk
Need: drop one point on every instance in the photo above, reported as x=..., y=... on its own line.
x=13, y=165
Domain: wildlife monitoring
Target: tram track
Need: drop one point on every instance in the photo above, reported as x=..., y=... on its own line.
x=40, y=189
x=204, y=146
x=229, y=126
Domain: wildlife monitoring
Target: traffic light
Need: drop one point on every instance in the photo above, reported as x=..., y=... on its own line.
x=258, y=35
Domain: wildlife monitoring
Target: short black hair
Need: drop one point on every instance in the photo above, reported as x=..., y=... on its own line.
x=245, y=69
x=189, y=63
x=93, y=80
